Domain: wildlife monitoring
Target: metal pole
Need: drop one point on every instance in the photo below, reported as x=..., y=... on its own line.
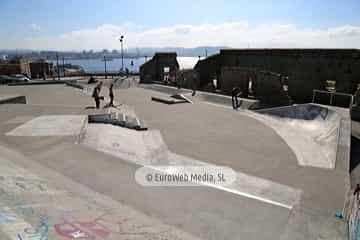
x=122, y=53
x=105, y=67
x=122, y=56
x=57, y=66
x=63, y=65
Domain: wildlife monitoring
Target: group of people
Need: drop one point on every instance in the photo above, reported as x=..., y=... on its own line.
x=97, y=97
x=235, y=95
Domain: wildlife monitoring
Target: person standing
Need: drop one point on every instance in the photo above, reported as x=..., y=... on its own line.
x=96, y=95
x=236, y=92
x=111, y=95
x=194, y=86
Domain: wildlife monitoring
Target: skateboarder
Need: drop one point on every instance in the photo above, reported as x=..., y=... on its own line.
x=236, y=92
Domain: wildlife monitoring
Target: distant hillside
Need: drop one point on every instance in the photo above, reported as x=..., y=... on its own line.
x=186, y=52
x=131, y=52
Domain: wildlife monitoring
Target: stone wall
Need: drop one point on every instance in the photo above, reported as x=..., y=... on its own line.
x=188, y=79
x=265, y=86
x=209, y=69
x=307, y=69
x=41, y=69
x=153, y=70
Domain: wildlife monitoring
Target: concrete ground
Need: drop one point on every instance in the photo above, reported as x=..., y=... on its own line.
x=77, y=188
x=355, y=154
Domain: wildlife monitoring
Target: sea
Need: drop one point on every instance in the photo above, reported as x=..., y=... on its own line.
x=133, y=64
x=98, y=65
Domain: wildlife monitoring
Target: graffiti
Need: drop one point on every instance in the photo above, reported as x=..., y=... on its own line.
x=23, y=184
x=354, y=226
x=11, y=218
x=17, y=203
x=39, y=233
x=100, y=228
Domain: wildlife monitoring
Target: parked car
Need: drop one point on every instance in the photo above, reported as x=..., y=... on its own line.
x=5, y=79
x=20, y=78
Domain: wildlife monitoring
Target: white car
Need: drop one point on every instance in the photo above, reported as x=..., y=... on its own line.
x=20, y=77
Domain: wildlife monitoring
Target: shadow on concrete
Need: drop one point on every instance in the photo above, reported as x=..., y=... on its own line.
x=354, y=153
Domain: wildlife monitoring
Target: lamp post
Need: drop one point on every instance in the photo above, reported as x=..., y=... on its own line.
x=122, y=53
x=105, y=67
x=57, y=66
x=106, y=60
x=63, y=65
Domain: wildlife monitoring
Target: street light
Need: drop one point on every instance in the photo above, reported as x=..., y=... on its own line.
x=63, y=65
x=105, y=67
x=57, y=65
x=106, y=60
x=122, y=53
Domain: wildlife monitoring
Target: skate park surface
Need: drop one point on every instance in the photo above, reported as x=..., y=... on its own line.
x=80, y=184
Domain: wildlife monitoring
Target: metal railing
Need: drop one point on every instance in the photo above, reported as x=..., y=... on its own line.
x=332, y=96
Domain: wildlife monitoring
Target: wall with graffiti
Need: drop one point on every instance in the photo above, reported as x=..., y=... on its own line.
x=353, y=217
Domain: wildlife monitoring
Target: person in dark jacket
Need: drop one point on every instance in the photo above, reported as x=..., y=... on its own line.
x=111, y=95
x=236, y=92
x=96, y=95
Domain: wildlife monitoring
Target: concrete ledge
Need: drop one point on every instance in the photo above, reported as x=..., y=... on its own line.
x=17, y=99
x=37, y=83
x=121, y=121
x=74, y=85
x=250, y=104
x=167, y=100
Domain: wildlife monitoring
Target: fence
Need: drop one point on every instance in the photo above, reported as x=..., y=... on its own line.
x=333, y=99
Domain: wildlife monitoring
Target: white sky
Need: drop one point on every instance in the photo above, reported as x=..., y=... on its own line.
x=230, y=34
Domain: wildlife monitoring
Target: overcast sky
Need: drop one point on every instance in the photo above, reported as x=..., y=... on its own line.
x=97, y=24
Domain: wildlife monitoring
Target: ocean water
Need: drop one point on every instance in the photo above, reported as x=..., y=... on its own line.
x=98, y=65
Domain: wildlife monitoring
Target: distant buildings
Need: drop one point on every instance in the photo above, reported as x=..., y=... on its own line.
x=41, y=69
x=15, y=66
x=23, y=65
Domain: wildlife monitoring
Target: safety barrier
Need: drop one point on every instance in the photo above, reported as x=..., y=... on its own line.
x=333, y=98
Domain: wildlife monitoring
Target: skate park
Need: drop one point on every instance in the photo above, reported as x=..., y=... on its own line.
x=291, y=180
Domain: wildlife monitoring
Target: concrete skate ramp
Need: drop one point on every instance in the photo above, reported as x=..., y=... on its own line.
x=173, y=99
x=51, y=125
x=304, y=112
x=310, y=130
x=149, y=149
x=4, y=99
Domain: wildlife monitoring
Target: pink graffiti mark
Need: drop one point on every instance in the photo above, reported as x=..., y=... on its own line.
x=71, y=231
x=101, y=227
